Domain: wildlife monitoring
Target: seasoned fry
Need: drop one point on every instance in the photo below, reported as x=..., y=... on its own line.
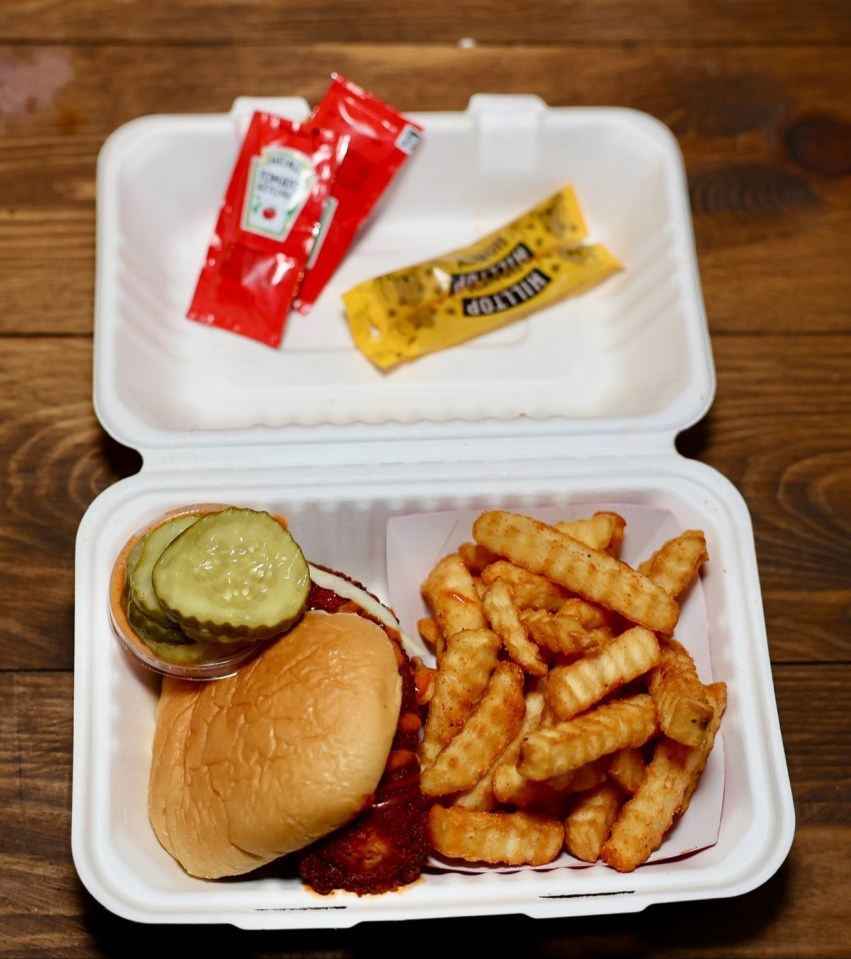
x=681, y=700
x=562, y=634
x=484, y=736
x=451, y=592
x=674, y=565
x=512, y=789
x=479, y=796
x=590, y=820
x=590, y=615
x=553, y=750
x=511, y=838
x=627, y=768
x=603, y=530
x=672, y=776
x=697, y=760
x=505, y=621
x=475, y=557
x=589, y=776
x=592, y=573
x=530, y=590
x=574, y=688
x=557, y=676
x=465, y=670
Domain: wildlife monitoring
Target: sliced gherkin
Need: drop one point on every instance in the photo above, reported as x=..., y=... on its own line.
x=140, y=587
x=169, y=644
x=233, y=576
x=152, y=631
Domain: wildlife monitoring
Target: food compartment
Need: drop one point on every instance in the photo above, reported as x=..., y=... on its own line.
x=344, y=525
x=634, y=349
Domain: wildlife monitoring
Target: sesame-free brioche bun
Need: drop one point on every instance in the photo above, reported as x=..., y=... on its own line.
x=263, y=763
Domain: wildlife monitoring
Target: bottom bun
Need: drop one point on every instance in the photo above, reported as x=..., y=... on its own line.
x=292, y=747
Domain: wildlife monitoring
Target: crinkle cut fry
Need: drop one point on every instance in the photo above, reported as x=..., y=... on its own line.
x=590, y=820
x=482, y=739
x=553, y=750
x=676, y=563
x=504, y=619
x=450, y=591
x=510, y=838
x=562, y=634
x=603, y=530
x=592, y=573
x=483, y=795
x=671, y=778
x=574, y=688
x=512, y=789
x=684, y=707
x=466, y=666
x=530, y=590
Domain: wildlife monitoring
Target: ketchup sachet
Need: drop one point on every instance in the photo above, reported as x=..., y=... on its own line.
x=266, y=227
x=377, y=140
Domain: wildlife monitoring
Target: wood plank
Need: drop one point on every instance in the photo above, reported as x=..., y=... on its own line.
x=381, y=21
x=767, y=227
x=705, y=94
x=45, y=912
x=793, y=472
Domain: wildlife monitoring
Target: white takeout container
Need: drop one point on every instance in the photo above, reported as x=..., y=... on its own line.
x=579, y=403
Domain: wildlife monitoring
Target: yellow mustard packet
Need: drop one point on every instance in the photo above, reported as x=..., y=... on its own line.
x=555, y=222
x=391, y=338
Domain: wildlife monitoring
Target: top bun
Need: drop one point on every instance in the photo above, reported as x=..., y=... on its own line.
x=263, y=763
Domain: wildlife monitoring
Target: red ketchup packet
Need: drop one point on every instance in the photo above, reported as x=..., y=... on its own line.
x=377, y=140
x=266, y=227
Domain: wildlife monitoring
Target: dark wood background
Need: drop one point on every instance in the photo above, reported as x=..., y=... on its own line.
x=759, y=96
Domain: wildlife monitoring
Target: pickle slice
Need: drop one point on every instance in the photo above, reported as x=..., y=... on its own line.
x=140, y=565
x=169, y=643
x=234, y=576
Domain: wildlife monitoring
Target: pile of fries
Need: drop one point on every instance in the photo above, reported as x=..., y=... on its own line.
x=562, y=712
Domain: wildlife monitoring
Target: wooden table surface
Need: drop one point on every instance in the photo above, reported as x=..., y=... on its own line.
x=759, y=97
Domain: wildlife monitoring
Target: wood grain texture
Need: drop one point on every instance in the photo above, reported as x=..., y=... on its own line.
x=756, y=95
x=380, y=21
x=765, y=214
x=45, y=912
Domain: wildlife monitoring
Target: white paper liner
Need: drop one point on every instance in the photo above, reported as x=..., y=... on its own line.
x=416, y=542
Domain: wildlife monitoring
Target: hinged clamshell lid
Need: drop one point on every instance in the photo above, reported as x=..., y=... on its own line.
x=631, y=357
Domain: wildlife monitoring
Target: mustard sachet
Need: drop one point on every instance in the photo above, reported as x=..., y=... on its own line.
x=555, y=222
x=389, y=333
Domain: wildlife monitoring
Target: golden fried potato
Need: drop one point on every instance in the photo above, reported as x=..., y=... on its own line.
x=483, y=737
x=451, y=592
x=672, y=776
x=590, y=820
x=512, y=789
x=510, y=838
x=592, y=573
x=590, y=615
x=675, y=564
x=553, y=750
x=589, y=776
x=696, y=762
x=627, y=768
x=574, y=688
x=560, y=634
x=475, y=557
x=556, y=672
x=465, y=670
x=604, y=530
x=681, y=699
x=504, y=619
x=530, y=590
